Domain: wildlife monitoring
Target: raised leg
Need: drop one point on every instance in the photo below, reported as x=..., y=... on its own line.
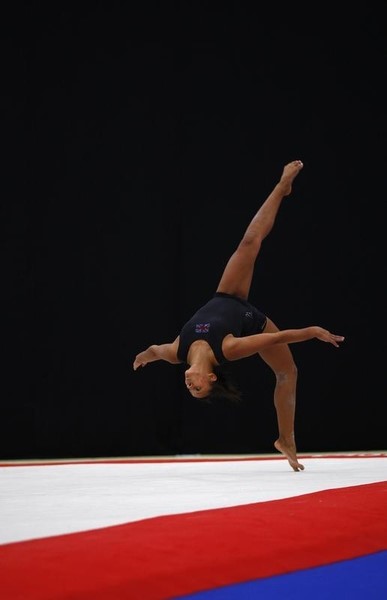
x=280, y=359
x=238, y=273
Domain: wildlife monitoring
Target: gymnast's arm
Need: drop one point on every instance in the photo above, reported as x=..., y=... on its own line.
x=167, y=352
x=236, y=348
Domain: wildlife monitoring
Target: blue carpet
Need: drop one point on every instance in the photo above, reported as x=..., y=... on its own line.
x=363, y=578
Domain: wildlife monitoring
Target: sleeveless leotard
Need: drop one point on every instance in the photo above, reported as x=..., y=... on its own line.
x=221, y=315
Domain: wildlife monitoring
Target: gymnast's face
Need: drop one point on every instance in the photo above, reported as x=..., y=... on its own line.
x=199, y=384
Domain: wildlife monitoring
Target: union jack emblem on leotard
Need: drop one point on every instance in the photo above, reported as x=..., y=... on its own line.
x=202, y=327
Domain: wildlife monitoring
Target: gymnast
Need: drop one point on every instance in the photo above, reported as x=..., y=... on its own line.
x=229, y=328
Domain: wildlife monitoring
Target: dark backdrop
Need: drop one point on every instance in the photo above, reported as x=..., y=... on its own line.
x=139, y=142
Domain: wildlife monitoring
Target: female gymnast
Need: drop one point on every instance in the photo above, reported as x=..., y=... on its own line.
x=229, y=328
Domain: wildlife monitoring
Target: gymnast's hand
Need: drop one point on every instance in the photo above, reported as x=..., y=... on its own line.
x=141, y=359
x=151, y=354
x=167, y=352
x=326, y=336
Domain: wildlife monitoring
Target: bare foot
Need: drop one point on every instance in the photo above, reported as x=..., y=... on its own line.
x=289, y=173
x=289, y=450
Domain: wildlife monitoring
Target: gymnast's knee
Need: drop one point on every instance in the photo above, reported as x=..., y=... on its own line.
x=249, y=246
x=289, y=374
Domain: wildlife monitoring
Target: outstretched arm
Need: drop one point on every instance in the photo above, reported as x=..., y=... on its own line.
x=167, y=352
x=236, y=348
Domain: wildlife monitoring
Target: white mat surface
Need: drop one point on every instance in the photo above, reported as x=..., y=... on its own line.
x=45, y=500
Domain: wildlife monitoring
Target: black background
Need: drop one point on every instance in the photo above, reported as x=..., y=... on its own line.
x=139, y=142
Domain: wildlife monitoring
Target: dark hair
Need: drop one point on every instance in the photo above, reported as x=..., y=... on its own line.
x=224, y=387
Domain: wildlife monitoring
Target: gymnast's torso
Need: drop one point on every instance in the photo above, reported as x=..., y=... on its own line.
x=224, y=314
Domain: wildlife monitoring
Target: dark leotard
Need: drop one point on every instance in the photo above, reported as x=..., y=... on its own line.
x=223, y=314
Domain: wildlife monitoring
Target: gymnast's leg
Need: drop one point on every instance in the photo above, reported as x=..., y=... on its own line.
x=238, y=273
x=279, y=358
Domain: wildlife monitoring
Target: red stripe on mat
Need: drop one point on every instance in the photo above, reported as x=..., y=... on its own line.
x=155, y=460
x=170, y=556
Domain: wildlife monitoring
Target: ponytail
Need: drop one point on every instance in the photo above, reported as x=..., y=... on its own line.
x=224, y=387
